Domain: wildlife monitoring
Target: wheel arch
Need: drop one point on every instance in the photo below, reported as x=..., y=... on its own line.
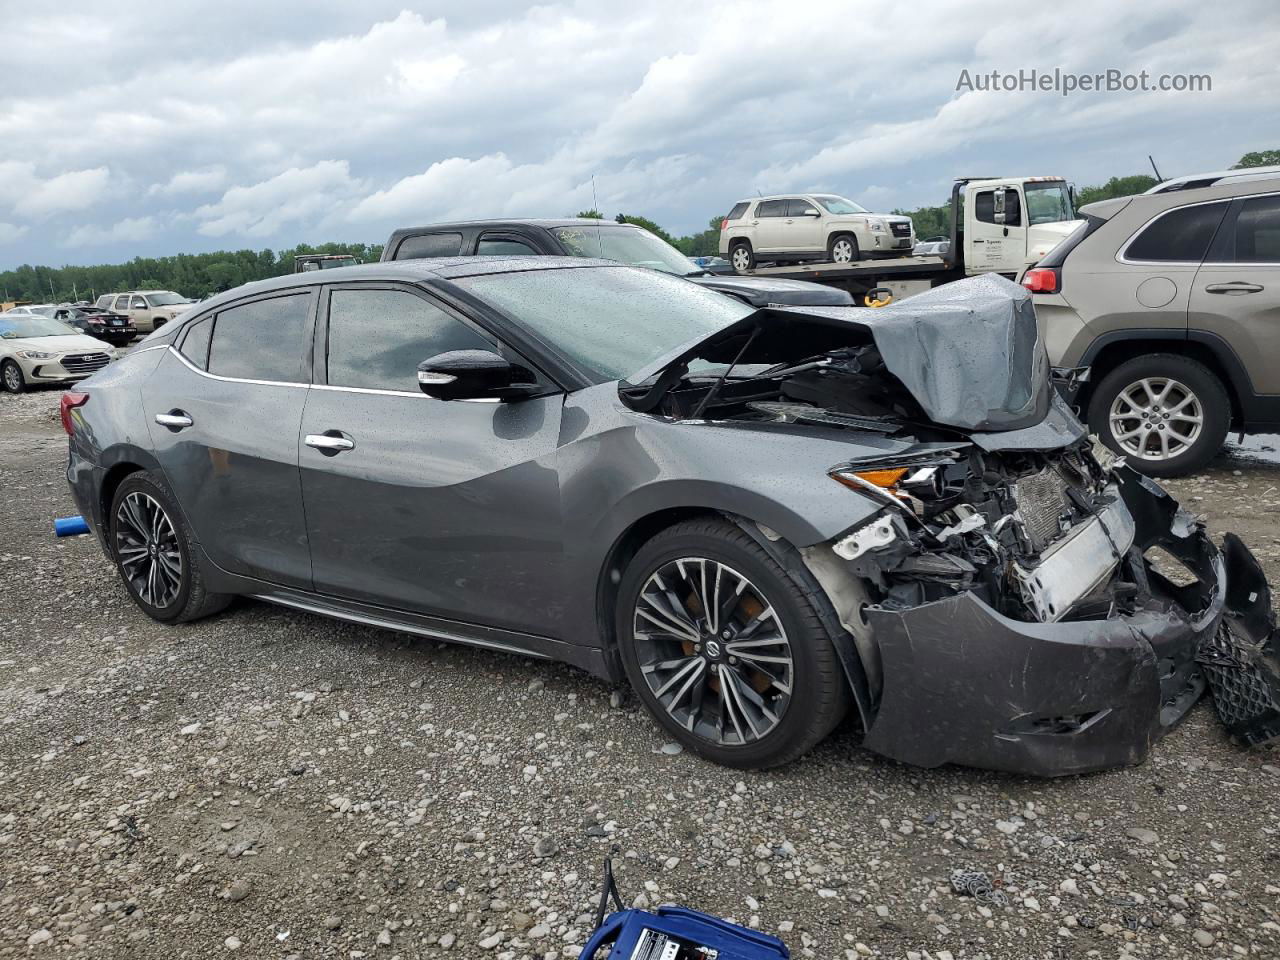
x=1117, y=347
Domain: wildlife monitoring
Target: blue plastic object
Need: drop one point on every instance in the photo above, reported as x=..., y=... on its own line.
x=69, y=526
x=677, y=933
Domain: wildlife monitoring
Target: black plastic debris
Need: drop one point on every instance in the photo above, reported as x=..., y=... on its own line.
x=1242, y=659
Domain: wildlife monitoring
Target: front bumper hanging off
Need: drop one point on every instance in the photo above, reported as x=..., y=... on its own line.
x=962, y=683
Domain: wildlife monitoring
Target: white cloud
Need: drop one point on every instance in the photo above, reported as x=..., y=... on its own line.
x=128, y=230
x=10, y=232
x=298, y=195
x=191, y=181
x=32, y=196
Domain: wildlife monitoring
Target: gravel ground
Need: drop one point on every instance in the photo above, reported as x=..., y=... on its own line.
x=274, y=784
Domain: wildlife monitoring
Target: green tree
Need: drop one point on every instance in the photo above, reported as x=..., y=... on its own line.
x=592, y=214
x=647, y=224
x=1258, y=158
x=1115, y=187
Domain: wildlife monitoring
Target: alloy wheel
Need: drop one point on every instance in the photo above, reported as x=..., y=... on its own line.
x=713, y=651
x=741, y=259
x=1156, y=418
x=147, y=546
x=12, y=378
x=842, y=251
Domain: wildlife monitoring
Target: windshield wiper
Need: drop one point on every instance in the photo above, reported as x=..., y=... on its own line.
x=715, y=387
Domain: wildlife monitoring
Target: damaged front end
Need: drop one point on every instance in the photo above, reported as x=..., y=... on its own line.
x=1021, y=600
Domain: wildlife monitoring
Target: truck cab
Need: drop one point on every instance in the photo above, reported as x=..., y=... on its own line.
x=1004, y=224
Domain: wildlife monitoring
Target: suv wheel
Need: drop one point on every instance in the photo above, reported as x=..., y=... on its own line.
x=1167, y=414
x=843, y=248
x=741, y=256
x=12, y=376
x=726, y=649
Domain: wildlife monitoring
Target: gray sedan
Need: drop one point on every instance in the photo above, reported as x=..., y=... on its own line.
x=762, y=518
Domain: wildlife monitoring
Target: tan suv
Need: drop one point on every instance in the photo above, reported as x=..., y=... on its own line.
x=148, y=309
x=1172, y=299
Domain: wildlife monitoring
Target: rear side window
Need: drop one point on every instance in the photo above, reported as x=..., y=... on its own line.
x=1180, y=236
x=771, y=208
x=263, y=340
x=738, y=210
x=122, y=303
x=503, y=247
x=426, y=245
x=377, y=338
x=195, y=343
x=1257, y=232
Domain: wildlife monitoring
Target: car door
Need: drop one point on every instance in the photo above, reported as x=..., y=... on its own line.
x=223, y=408
x=998, y=235
x=771, y=234
x=445, y=508
x=1236, y=292
x=804, y=225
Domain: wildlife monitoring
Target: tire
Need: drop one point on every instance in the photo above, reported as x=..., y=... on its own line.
x=1145, y=411
x=138, y=495
x=843, y=248
x=11, y=376
x=781, y=707
x=742, y=256
x=157, y=323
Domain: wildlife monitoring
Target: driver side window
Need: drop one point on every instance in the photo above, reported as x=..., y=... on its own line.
x=377, y=338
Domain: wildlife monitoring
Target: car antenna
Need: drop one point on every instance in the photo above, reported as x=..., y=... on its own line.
x=715, y=387
x=1155, y=168
x=595, y=205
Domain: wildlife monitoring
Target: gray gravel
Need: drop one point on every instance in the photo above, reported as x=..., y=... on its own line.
x=272, y=784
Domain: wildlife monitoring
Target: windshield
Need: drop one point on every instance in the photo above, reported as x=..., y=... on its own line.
x=1048, y=202
x=611, y=321
x=630, y=245
x=839, y=204
x=14, y=327
x=165, y=299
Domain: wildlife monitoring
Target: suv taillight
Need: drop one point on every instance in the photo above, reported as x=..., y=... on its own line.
x=1041, y=280
x=69, y=402
x=724, y=224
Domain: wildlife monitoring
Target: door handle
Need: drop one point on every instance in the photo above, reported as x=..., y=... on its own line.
x=1235, y=287
x=175, y=420
x=329, y=443
x=1006, y=231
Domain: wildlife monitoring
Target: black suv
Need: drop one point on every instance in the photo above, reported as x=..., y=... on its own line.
x=605, y=239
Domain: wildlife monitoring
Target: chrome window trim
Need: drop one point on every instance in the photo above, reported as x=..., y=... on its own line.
x=214, y=376
x=1124, y=247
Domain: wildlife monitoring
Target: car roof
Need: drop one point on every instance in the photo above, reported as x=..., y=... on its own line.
x=1217, y=178
x=547, y=224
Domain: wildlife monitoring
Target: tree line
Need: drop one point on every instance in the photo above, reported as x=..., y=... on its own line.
x=204, y=274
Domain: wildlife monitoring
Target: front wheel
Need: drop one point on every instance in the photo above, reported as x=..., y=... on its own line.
x=1167, y=414
x=156, y=553
x=11, y=375
x=727, y=650
x=843, y=248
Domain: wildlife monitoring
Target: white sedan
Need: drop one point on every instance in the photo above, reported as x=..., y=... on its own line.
x=35, y=349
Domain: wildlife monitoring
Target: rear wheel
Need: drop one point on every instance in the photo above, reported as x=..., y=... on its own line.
x=1167, y=414
x=156, y=553
x=11, y=375
x=741, y=256
x=843, y=248
x=725, y=648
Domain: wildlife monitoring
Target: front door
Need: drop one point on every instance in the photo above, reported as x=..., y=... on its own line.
x=448, y=508
x=1236, y=293
x=223, y=413
x=804, y=225
x=997, y=237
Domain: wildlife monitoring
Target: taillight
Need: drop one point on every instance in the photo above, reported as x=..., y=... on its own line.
x=724, y=224
x=69, y=402
x=1041, y=280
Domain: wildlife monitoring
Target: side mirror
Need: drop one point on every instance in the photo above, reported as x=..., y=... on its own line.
x=472, y=375
x=811, y=212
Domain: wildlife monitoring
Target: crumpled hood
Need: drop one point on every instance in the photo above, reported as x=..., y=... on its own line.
x=969, y=352
x=761, y=292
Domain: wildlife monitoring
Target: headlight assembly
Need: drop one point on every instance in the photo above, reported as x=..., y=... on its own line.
x=35, y=355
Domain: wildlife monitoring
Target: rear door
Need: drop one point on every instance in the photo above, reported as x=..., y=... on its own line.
x=771, y=232
x=223, y=408
x=446, y=508
x=1236, y=293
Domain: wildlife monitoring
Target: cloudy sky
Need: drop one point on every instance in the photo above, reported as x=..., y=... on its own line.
x=149, y=128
